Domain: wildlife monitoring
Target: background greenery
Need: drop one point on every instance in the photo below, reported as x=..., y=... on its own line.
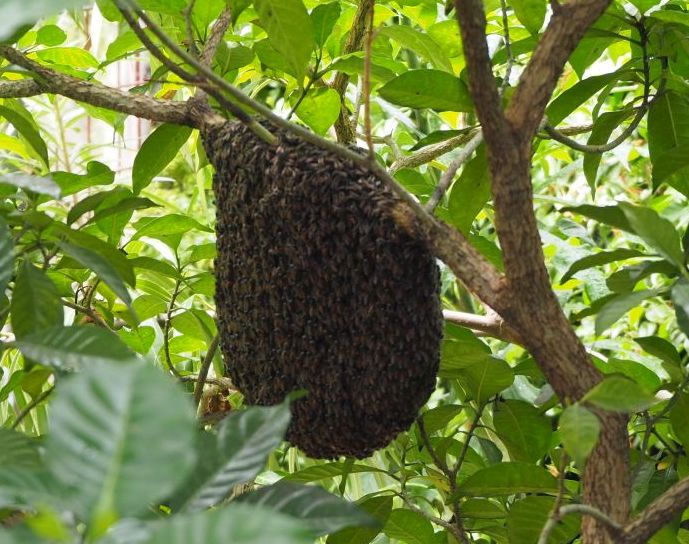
x=105, y=279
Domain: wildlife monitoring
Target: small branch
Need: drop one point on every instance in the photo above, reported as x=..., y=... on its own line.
x=366, y=89
x=166, y=331
x=89, y=312
x=449, y=527
x=449, y=174
x=491, y=324
x=508, y=47
x=355, y=40
x=205, y=367
x=222, y=23
x=432, y=152
x=95, y=94
x=223, y=383
x=659, y=513
x=31, y=405
x=188, y=16
x=578, y=509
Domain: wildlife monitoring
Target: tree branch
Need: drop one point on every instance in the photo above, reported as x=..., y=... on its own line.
x=567, y=26
x=659, y=513
x=49, y=81
x=432, y=152
x=491, y=324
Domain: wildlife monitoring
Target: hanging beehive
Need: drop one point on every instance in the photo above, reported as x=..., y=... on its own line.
x=319, y=289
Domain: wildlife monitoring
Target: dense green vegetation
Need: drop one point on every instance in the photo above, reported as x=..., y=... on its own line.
x=113, y=400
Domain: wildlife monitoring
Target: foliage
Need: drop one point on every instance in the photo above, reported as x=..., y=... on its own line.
x=106, y=280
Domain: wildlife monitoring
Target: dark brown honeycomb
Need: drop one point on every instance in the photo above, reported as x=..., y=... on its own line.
x=318, y=289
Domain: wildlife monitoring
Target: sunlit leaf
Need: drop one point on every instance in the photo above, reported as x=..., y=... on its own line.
x=161, y=146
x=579, y=430
x=620, y=394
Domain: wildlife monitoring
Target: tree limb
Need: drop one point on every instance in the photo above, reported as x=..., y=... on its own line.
x=659, y=513
x=432, y=152
x=53, y=82
x=491, y=324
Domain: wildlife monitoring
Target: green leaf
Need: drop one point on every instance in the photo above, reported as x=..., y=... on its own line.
x=668, y=135
x=409, y=527
x=661, y=348
x=619, y=305
x=620, y=394
x=14, y=13
x=24, y=124
x=437, y=418
x=598, y=259
x=157, y=151
x=323, y=18
x=35, y=184
x=105, y=445
x=74, y=348
x=236, y=455
x=75, y=57
x=486, y=379
x=579, y=430
x=600, y=134
x=235, y=524
x=319, y=109
x=531, y=13
x=481, y=509
x=420, y=43
x=97, y=173
x=680, y=299
x=470, y=192
x=6, y=258
x=460, y=349
x=102, y=268
x=569, y=100
x=523, y=429
x=168, y=227
x=508, y=479
x=656, y=231
x=610, y=215
x=36, y=304
x=18, y=450
x=678, y=419
x=323, y=512
x=290, y=31
x=50, y=35
x=528, y=516
x=433, y=89
x=328, y=471
x=379, y=507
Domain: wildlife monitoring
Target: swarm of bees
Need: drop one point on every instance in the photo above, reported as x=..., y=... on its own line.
x=319, y=290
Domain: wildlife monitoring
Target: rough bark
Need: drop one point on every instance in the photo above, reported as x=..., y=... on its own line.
x=529, y=305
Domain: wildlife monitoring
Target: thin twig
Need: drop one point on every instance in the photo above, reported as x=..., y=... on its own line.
x=190, y=28
x=449, y=174
x=584, y=509
x=491, y=324
x=366, y=90
x=205, y=367
x=166, y=330
x=31, y=405
x=222, y=382
x=432, y=152
x=89, y=312
x=508, y=48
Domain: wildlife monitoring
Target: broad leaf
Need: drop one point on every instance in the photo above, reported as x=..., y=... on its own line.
x=528, y=516
x=420, y=43
x=579, y=430
x=323, y=512
x=74, y=348
x=290, y=31
x=21, y=120
x=620, y=394
x=236, y=455
x=531, y=13
x=523, y=429
x=18, y=450
x=508, y=479
x=378, y=507
x=319, y=109
x=485, y=379
x=323, y=18
x=656, y=231
x=328, y=471
x=36, y=304
x=433, y=89
x=106, y=446
x=157, y=151
x=598, y=259
x=619, y=305
x=35, y=184
x=6, y=257
x=680, y=300
x=407, y=526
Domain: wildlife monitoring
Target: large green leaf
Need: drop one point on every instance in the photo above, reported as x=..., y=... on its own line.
x=101, y=267
x=602, y=129
x=527, y=517
x=485, y=379
x=668, y=136
x=74, y=348
x=21, y=119
x=97, y=173
x=620, y=394
x=235, y=524
x=6, y=257
x=470, y=192
x=598, y=259
x=319, y=109
x=531, y=13
x=433, y=89
x=570, y=99
x=460, y=349
x=680, y=300
x=236, y=455
x=678, y=419
x=323, y=512
x=157, y=151
x=523, y=429
x=656, y=231
x=508, y=479
x=323, y=18
x=18, y=450
x=579, y=430
x=327, y=471
x=420, y=43
x=36, y=304
x=290, y=31
x=35, y=184
x=379, y=507
x=106, y=445
x=619, y=305
x=407, y=526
